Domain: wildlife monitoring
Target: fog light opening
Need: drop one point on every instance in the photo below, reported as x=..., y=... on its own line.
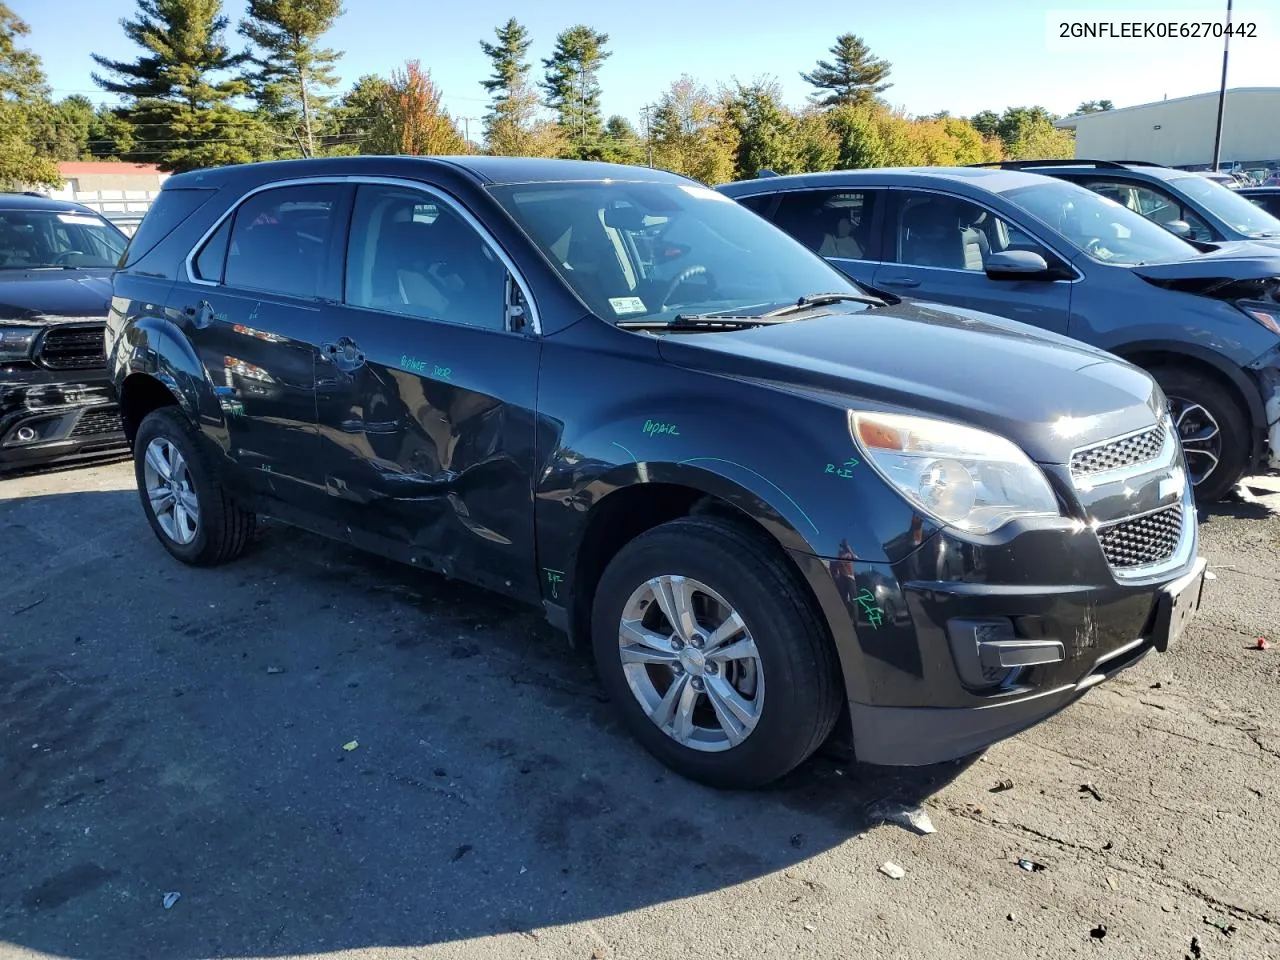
x=25, y=435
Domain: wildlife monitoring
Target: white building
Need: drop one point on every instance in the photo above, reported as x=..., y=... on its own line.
x=121, y=192
x=1179, y=132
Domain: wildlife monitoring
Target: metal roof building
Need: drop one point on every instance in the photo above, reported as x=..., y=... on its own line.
x=1179, y=132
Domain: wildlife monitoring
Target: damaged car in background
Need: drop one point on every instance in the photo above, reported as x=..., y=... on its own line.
x=1202, y=318
x=56, y=403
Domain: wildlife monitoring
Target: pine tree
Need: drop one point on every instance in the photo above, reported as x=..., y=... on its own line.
x=178, y=90
x=573, y=88
x=854, y=77
x=621, y=143
x=767, y=134
x=364, y=119
x=292, y=70
x=509, y=123
x=25, y=110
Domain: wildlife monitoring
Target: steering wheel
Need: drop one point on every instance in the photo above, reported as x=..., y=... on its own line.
x=66, y=255
x=684, y=276
x=1093, y=246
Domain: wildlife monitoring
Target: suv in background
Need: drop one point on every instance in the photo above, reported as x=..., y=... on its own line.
x=1043, y=251
x=1268, y=198
x=56, y=404
x=765, y=497
x=1192, y=205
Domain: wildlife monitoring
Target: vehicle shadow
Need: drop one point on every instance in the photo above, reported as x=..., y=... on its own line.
x=177, y=730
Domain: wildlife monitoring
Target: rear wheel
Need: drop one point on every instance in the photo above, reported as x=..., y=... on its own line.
x=189, y=510
x=712, y=653
x=1214, y=428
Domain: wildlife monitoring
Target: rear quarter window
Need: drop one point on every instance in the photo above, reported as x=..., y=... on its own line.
x=164, y=215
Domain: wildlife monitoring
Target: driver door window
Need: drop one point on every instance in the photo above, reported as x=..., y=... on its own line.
x=933, y=230
x=1156, y=205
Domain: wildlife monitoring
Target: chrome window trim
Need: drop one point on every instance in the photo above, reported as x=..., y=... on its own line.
x=535, y=318
x=1079, y=274
x=1166, y=458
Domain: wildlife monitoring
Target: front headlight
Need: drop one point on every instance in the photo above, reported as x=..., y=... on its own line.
x=15, y=342
x=1267, y=314
x=961, y=476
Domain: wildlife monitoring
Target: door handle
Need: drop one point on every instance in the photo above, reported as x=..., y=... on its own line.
x=344, y=352
x=899, y=282
x=201, y=314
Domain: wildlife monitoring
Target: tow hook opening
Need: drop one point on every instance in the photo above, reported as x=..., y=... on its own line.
x=991, y=657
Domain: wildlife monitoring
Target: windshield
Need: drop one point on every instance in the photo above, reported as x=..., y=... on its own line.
x=49, y=238
x=1102, y=228
x=654, y=250
x=1228, y=206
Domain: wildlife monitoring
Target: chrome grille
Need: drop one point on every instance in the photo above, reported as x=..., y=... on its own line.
x=1117, y=454
x=78, y=347
x=104, y=419
x=1144, y=540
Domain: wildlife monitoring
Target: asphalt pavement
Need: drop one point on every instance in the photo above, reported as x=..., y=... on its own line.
x=167, y=730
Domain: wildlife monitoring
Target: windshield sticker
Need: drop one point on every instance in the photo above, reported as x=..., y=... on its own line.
x=702, y=193
x=627, y=305
x=653, y=428
x=79, y=218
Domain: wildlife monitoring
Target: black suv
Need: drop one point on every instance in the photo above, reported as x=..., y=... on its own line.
x=56, y=260
x=765, y=497
x=1189, y=204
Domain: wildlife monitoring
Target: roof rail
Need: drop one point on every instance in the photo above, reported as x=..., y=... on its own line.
x=1032, y=164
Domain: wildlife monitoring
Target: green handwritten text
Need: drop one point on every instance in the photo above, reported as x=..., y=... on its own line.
x=875, y=614
x=554, y=579
x=653, y=428
x=844, y=470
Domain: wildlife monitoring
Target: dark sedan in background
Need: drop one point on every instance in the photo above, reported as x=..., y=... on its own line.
x=56, y=405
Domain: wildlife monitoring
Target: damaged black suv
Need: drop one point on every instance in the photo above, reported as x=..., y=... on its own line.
x=768, y=500
x=56, y=404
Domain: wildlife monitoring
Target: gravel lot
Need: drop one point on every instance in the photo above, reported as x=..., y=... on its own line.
x=173, y=730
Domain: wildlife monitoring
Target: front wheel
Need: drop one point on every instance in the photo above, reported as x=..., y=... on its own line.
x=1214, y=429
x=709, y=648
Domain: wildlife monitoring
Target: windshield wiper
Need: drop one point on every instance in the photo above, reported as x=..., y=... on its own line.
x=700, y=321
x=823, y=299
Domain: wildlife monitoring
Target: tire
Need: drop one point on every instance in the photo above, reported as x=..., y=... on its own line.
x=793, y=682
x=221, y=529
x=1232, y=444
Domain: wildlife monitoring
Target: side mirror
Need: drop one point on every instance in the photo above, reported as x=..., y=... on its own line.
x=1016, y=265
x=1179, y=228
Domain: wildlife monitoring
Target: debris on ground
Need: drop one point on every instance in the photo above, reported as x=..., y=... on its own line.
x=598, y=953
x=1195, y=949
x=1011, y=918
x=1262, y=644
x=461, y=852
x=1157, y=685
x=1111, y=882
x=1091, y=789
x=1001, y=786
x=892, y=870
x=1030, y=865
x=350, y=745
x=170, y=899
x=810, y=927
x=1226, y=929
x=913, y=818
x=1099, y=931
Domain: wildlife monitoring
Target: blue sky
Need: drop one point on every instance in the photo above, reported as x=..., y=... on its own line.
x=945, y=55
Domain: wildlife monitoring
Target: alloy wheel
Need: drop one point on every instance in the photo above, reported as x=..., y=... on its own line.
x=1201, y=438
x=170, y=491
x=691, y=663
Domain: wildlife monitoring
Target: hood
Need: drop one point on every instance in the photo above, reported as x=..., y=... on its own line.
x=1047, y=393
x=1241, y=270
x=46, y=295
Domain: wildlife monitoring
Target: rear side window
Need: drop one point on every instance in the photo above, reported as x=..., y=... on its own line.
x=758, y=204
x=164, y=215
x=213, y=255
x=833, y=223
x=281, y=238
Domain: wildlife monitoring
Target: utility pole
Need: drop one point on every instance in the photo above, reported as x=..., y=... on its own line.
x=1222, y=92
x=648, y=135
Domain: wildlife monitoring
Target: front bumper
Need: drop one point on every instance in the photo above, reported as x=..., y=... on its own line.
x=46, y=421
